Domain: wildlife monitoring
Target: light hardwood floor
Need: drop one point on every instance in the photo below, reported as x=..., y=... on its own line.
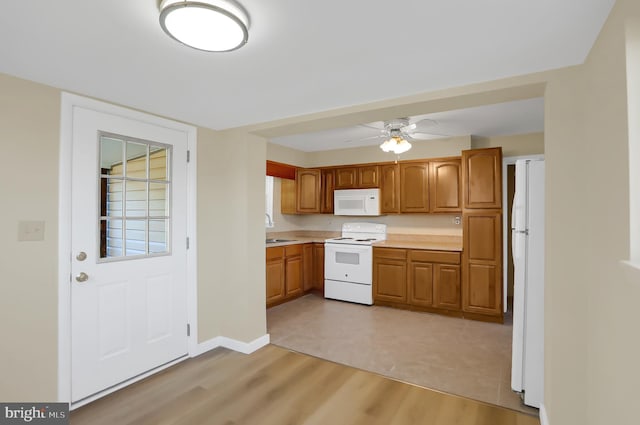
x=275, y=386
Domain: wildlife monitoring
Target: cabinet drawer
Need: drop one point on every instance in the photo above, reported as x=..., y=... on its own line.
x=447, y=257
x=275, y=252
x=292, y=250
x=398, y=253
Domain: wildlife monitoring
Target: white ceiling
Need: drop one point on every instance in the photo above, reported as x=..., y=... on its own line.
x=302, y=56
x=502, y=119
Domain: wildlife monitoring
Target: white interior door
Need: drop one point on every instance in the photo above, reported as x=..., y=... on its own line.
x=128, y=283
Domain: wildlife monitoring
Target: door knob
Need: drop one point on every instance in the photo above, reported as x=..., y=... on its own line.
x=82, y=277
x=81, y=256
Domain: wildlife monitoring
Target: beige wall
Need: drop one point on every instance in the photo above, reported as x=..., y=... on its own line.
x=231, y=256
x=516, y=145
x=612, y=288
x=29, y=133
x=286, y=155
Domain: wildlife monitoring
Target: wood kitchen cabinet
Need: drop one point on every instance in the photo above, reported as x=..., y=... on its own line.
x=346, y=178
x=293, y=270
x=307, y=267
x=482, y=275
x=390, y=188
x=434, y=279
x=414, y=187
x=358, y=177
x=424, y=280
x=445, y=178
x=368, y=176
x=288, y=197
x=284, y=273
x=390, y=275
x=327, y=185
x=275, y=275
x=482, y=178
x=318, y=266
x=308, y=194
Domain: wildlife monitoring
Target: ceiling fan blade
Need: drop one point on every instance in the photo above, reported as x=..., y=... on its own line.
x=424, y=124
x=379, y=136
x=409, y=128
x=372, y=126
x=427, y=136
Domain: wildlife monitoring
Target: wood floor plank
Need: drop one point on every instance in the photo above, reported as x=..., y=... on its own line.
x=274, y=386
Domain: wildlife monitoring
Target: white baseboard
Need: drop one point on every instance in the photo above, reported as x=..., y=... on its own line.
x=232, y=344
x=544, y=420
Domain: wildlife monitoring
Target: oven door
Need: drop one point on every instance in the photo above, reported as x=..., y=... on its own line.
x=348, y=263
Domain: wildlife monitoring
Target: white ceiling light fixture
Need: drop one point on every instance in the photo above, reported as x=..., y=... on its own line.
x=209, y=25
x=396, y=144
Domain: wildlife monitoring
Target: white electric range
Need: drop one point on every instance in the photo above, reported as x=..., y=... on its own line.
x=348, y=262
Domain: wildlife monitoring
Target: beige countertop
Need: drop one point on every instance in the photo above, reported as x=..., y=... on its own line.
x=428, y=242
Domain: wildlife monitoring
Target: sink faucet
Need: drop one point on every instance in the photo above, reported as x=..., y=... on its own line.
x=269, y=218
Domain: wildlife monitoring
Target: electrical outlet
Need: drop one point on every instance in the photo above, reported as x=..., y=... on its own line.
x=456, y=220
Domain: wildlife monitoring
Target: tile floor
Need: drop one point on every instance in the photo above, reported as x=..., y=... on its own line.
x=457, y=356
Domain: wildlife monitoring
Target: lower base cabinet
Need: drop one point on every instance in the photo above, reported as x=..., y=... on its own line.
x=417, y=279
x=284, y=274
x=292, y=271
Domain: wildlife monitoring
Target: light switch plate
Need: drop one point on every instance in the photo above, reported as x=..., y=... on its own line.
x=30, y=231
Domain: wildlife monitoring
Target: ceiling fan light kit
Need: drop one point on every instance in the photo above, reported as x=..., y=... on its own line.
x=395, y=144
x=209, y=25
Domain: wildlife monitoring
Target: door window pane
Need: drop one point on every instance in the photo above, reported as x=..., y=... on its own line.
x=134, y=205
x=158, y=199
x=136, y=198
x=158, y=236
x=111, y=155
x=136, y=160
x=158, y=160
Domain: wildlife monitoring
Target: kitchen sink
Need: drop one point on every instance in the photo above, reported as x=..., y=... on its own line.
x=279, y=240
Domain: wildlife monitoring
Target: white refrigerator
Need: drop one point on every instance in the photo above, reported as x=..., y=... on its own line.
x=527, y=215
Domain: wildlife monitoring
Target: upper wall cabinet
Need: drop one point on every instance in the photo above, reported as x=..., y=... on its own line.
x=482, y=178
x=326, y=188
x=308, y=195
x=358, y=177
x=346, y=178
x=390, y=188
x=414, y=187
x=368, y=176
x=444, y=186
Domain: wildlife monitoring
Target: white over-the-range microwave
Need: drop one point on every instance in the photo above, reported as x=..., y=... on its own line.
x=360, y=202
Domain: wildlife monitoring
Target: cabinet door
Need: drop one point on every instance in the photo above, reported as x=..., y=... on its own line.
x=390, y=188
x=414, y=187
x=369, y=176
x=318, y=266
x=444, y=186
x=421, y=284
x=293, y=275
x=288, y=196
x=308, y=190
x=275, y=275
x=482, y=178
x=482, y=274
x=346, y=178
x=446, y=286
x=307, y=267
x=326, y=186
x=390, y=275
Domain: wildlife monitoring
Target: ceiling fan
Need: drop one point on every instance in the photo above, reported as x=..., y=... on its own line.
x=397, y=133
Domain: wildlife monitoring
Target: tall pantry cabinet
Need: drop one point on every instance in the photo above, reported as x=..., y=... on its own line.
x=482, y=233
